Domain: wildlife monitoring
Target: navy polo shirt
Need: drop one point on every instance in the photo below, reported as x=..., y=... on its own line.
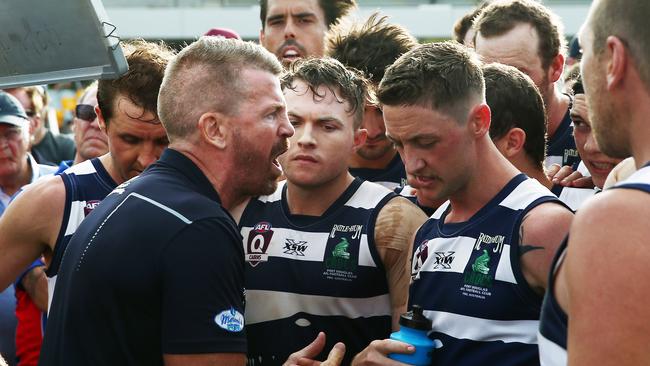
x=156, y=268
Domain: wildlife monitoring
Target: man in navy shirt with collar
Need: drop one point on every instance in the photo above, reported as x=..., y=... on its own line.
x=155, y=275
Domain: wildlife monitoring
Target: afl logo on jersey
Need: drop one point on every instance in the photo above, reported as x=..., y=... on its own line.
x=258, y=242
x=90, y=206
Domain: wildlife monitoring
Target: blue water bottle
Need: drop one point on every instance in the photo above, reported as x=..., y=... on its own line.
x=414, y=327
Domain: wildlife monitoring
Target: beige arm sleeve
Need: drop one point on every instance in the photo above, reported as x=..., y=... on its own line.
x=395, y=229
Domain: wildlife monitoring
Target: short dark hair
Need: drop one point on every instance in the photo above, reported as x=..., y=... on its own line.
x=147, y=62
x=515, y=102
x=205, y=76
x=371, y=46
x=501, y=17
x=444, y=76
x=349, y=84
x=627, y=20
x=464, y=24
x=333, y=9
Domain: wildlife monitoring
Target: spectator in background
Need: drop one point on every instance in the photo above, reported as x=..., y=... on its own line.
x=17, y=169
x=527, y=35
x=46, y=147
x=90, y=140
x=293, y=29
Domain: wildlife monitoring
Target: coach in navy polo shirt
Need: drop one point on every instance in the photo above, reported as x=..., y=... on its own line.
x=155, y=274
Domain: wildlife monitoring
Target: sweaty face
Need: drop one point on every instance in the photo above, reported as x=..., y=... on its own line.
x=136, y=138
x=598, y=164
x=91, y=142
x=14, y=142
x=377, y=145
x=435, y=148
x=294, y=29
x=261, y=134
x=325, y=137
x=517, y=48
x=609, y=126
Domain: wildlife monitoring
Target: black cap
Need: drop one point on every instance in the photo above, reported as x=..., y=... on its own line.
x=414, y=319
x=11, y=111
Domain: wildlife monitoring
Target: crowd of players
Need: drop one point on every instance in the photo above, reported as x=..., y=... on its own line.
x=284, y=204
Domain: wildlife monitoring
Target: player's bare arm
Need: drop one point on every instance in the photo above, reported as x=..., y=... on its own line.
x=606, y=268
x=396, y=225
x=541, y=232
x=29, y=227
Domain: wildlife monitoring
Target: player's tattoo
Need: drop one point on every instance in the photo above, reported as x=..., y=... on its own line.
x=525, y=248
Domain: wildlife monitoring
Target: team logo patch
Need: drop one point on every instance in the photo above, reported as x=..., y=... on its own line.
x=342, y=252
x=444, y=260
x=419, y=257
x=295, y=247
x=258, y=243
x=230, y=320
x=90, y=206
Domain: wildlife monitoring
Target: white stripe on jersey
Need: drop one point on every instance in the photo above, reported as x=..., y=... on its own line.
x=575, y=197
x=77, y=215
x=314, y=245
x=524, y=194
x=463, y=246
x=641, y=176
x=484, y=330
x=550, y=354
x=368, y=196
x=264, y=306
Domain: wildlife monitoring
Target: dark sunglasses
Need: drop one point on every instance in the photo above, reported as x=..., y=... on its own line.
x=85, y=112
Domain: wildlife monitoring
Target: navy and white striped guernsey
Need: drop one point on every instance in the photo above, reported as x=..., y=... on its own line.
x=561, y=147
x=306, y=274
x=553, y=323
x=391, y=177
x=86, y=184
x=467, y=278
x=552, y=335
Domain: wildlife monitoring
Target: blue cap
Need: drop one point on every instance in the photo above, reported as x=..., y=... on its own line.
x=11, y=111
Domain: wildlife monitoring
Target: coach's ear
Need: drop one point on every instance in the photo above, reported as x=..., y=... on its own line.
x=214, y=128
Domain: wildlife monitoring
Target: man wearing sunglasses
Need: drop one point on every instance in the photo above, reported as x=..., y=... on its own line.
x=44, y=216
x=91, y=142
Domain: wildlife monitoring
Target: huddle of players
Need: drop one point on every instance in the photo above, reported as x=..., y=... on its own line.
x=325, y=251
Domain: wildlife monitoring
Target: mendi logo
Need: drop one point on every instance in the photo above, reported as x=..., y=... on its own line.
x=230, y=320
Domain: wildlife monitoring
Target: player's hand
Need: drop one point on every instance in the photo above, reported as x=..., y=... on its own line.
x=309, y=352
x=567, y=177
x=377, y=353
x=334, y=358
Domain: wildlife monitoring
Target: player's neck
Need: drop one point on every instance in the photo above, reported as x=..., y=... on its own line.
x=491, y=173
x=524, y=164
x=314, y=201
x=357, y=161
x=556, y=108
x=107, y=162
